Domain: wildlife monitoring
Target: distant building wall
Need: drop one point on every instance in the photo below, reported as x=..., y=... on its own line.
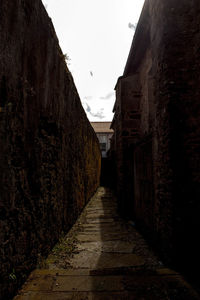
x=104, y=141
x=49, y=154
x=157, y=127
x=104, y=135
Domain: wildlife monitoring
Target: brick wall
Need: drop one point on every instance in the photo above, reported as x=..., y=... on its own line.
x=50, y=156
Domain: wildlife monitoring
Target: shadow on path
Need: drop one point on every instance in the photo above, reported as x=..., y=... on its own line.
x=109, y=259
x=128, y=268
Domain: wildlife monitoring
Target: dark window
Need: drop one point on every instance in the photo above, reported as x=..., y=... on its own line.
x=103, y=146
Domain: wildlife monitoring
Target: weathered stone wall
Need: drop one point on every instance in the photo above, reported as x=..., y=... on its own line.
x=50, y=156
x=163, y=189
x=177, y=158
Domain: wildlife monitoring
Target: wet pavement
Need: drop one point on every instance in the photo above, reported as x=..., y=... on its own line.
x=103, y=257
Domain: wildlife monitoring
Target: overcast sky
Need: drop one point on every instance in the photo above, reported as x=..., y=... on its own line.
x=96, y=35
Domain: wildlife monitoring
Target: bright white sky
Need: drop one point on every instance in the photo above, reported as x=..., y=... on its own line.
x=96, y=35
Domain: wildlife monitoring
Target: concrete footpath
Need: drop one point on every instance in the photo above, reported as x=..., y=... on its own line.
x=102, y=257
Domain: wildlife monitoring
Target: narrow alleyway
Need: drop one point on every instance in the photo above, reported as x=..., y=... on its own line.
x=102, y=257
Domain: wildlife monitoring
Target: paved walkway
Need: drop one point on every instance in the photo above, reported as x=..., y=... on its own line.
x=102, y=257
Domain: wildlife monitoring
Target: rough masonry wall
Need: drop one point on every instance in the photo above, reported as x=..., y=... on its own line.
x=175, y=36
x=50, y=156
x=165, y=159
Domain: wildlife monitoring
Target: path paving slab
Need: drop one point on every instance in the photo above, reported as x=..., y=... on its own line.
x=92, y=260
x=107, y=246
x=88, y=283
x=104, y=258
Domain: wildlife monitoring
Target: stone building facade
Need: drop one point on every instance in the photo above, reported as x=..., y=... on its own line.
x=104, y=134
x=156, y=126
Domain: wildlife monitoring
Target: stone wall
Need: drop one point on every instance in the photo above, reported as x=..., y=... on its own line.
x=50, y=156
x=157, y=129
